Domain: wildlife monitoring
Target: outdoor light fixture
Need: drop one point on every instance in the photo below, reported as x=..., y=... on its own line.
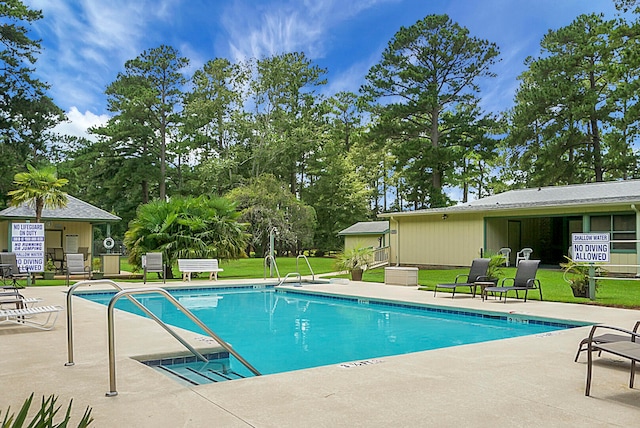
x=444, y=216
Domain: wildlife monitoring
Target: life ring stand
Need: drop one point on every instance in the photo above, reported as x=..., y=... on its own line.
x=108, y=243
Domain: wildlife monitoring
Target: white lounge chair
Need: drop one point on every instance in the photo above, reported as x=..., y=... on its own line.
x=28, y=316
x=18, y=300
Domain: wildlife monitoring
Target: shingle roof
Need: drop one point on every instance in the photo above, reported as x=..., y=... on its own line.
x=604, y=193
x=366, y=228
x=577, y=194
x=75, y=210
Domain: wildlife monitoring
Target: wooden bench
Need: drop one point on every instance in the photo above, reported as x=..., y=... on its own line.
x=628, y=349
x=188, y=266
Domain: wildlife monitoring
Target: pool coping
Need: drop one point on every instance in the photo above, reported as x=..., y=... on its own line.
x=539, y=370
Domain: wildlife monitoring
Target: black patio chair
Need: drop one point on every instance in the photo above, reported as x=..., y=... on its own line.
x=524, y=280
x=477, y=272
x=12, y=272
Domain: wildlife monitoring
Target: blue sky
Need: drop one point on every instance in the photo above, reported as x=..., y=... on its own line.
x=86, y=43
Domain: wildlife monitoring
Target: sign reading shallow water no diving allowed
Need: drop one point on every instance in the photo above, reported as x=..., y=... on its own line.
x=590, y=247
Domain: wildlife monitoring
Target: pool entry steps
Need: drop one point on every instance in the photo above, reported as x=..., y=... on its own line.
x=128, y=293
x=193, y=372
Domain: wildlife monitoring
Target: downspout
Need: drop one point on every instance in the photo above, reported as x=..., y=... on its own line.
x=397, y=240
x=633, y=207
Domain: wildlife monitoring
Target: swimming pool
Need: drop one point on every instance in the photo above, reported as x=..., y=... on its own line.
x=278, y=331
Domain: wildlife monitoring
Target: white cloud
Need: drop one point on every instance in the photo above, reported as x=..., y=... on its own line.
x=86, y=44
x=77, y=123
x=287, y=25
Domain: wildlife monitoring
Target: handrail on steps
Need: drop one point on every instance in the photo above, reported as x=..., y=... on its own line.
x=127, y=293
x=273, y=259
x=134, y=301
x=308, y=264
x=291, y=274
x=177, y=304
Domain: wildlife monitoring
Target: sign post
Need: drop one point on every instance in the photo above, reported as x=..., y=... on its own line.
x=591, y=248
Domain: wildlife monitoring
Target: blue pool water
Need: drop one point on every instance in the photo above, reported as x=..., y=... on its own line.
x=278, y=331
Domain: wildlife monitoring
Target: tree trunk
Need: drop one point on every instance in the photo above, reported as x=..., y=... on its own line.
x=435, y=143
x=145, y=191
x=595, y=134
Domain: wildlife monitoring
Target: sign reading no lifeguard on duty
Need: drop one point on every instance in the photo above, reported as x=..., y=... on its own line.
x=590, y=247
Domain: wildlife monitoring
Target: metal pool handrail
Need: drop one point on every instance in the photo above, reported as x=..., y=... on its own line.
x=313, y=277
x=291, y=274
x=273, y=260
x=172, y=300
x=132, y=300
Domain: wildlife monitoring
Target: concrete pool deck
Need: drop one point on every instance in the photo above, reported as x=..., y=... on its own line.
x=525, y=381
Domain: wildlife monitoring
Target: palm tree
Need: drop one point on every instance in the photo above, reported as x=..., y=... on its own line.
x=186, y=227
x=40, y=188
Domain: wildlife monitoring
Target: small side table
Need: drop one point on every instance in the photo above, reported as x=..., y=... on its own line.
x=483, y=285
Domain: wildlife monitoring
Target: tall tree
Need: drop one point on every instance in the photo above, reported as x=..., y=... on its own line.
x=570, y=103
x=146, y=99
x=288, y=116
x=335, y=189
x=427, y=69
x=214, y=122
x=39, y=188
x=26, y=112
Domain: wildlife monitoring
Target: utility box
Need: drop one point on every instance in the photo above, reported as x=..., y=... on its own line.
x=401, y=275
x=110, y=264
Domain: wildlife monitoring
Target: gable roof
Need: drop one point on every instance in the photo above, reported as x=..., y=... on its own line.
x=75, y=210
x=602, y=193
x=366, y=228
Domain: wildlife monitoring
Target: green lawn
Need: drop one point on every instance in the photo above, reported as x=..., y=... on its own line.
x=611, y=292
x=618, y=293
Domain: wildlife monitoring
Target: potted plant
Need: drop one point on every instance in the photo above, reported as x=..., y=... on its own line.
x=96, y=266
x=355, y=260
x=49, y=270
x=577, y=275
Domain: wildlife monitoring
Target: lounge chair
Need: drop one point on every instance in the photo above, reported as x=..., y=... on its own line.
x=75, y=266
x=13, y=272
x=28, y=316
x=477, y=272
x=628, y=348
x=12, y=296
x=524, y=280
x=603, y=338
x=153, y=263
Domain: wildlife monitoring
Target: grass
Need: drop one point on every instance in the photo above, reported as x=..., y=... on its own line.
x=611, y=292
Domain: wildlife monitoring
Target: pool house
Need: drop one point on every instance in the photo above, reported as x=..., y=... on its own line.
x=542, y=219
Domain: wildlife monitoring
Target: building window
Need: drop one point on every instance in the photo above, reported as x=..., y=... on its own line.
x=621, y=228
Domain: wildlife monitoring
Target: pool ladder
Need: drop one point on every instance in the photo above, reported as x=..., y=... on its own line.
x=313, y=276
x=111, y=331
x=291, y=274
x=268, y=258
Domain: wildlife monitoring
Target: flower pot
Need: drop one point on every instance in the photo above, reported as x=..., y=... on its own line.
x=356, y=274
x=580, y=292
x=48, y=275
x=97, y=275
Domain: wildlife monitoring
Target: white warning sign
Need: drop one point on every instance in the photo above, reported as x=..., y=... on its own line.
x=591, y=247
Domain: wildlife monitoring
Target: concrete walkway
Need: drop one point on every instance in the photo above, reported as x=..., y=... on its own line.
x=521, y=382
